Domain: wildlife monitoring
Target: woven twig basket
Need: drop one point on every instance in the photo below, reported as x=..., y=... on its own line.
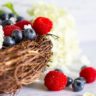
x=22, y=64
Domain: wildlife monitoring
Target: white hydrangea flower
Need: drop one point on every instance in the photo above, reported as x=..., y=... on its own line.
x=1, y=36
x=66, y=48
x=89, y=94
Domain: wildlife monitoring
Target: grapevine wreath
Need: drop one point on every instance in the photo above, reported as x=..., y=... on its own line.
x=25, y=50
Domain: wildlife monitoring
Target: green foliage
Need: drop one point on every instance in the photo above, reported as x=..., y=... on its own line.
x=10, y=6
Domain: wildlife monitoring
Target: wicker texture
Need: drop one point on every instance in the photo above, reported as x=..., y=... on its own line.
x=23, y=63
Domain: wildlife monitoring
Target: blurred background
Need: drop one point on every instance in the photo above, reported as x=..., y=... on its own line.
x=84, y=12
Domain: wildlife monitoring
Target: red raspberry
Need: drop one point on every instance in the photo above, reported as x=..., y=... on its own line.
x=22, y=23
x=9, y=29
x=89, y=74
x=55, y=81
x=42, y=25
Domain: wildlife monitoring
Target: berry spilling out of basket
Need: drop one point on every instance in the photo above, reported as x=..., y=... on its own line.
x=56, y=80
x=16, y=28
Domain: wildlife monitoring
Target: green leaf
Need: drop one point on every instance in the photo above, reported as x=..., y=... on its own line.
x=10, y=6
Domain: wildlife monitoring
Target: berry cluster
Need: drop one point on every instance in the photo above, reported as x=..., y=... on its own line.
x=16, y=28
x=9, y=16
x=55, y=80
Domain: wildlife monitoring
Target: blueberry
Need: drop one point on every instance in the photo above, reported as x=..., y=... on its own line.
x=69, y=82
x=19, y=18
x=8, y=41
x=58, y=70
x=17, y=35
x=78, y=85
x=82, y=79
x=11, y=15
x=83, y=67
x=29, y=34
x=4, y=16
x=6, y=22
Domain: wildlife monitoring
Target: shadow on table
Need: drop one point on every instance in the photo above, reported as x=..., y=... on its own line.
x=68, y=89
x=38, y=86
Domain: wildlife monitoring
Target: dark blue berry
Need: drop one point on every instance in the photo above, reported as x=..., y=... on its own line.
x=6, y=22
x=8, y=41
x=58, y=70
x=19, y=18
x=17, y=35
x=78, y=85
x=4, y=16
x=82, y=79
x=83, y=67
x=11, y=15
x=69, y=81
x=29, y=34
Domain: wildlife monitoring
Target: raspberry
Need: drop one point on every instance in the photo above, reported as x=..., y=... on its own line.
x=89, y=74
x=9, y=29
x=42, y=25
x=22, y=23
x=55, y=81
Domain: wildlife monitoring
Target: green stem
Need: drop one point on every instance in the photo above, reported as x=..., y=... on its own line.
x=54, y=36
x=10, y=6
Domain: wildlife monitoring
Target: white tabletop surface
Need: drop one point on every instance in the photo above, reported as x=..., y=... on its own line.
x=38, y=89
x=85, y=13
